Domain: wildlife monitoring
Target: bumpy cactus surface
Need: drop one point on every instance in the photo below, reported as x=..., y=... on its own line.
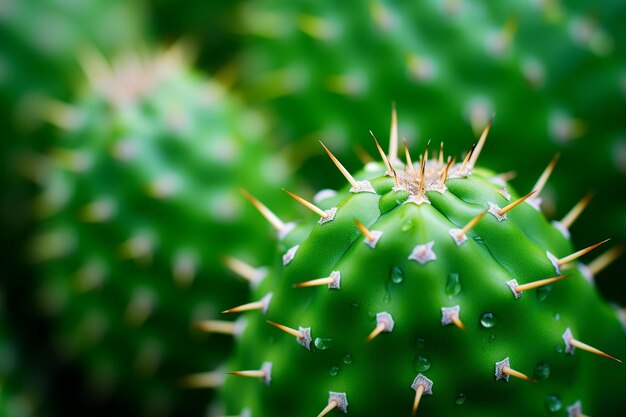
x=138, y=207
x=429, y=288
x=319, y=64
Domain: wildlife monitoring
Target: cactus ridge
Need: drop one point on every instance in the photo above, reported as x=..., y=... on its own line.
x=412, y=296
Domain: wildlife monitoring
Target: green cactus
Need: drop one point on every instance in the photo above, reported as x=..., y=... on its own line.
x=430, y=284
x=319, y=64
x=137, y=208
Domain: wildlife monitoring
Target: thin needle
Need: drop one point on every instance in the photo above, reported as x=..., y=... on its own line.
x=539, y=283
x=393, y=134
x=239, y=267
x=217, y=326
x=467, y=158
x=278, y=224
x=308, y=205
x=481, y=143
x=419, y=391
x=330, y=407
x=315, y=282
x=573, y=214
x=580, y=253
x=516, y=374
x=287, y=330
x=341, y=168
x=365, y=231
x=380, y=327
x=514, y=204
x=543, y=179
x=203, y=380
x=604, y=260
x=469, y=225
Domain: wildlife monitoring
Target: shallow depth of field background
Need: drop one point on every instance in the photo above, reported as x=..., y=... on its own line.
x=553, y=73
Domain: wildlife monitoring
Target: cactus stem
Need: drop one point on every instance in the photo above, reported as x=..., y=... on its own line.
x=571, y=343
x=384, y=323
x=303, y=334
x=333, y=281
x=393, y=134
x=480, y=144
x=203, y=380
x=262, y=305
x=265, y=373
x=514, y=204
x=323, y=214
x=604, y=260
x=218, y=326
x=244, y=270
x=576, y=255
x=543, y=179
x=276, y=223
x=539, y=283
x=573, y=214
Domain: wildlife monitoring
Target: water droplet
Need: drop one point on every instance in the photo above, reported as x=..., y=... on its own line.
x=557, y=316
x=397, y=275
x=321, y=343
x=347, y=359
x=453, y=284
x=355, y=306
x=421, y=363
x=559, y=348
x=542, y=292
x=479, y=240
x=387, y=297
x=407, y=225
x=492, y=338
x=420, y=342
x=460, y=399
x=371, y=315
x=553, y=403
x=334, y=371
x=541, y=371
x=487, y=320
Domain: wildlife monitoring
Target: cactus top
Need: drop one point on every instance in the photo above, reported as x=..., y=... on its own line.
x=453, y=296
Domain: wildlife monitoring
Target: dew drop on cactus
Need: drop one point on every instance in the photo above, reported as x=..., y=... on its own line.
x=468, y=330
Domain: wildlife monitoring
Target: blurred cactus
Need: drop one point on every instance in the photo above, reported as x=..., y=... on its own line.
x=555, y=74
x=138, y=204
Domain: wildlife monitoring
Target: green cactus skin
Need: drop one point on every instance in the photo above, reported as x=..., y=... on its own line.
x=319, y=64
x=138, y=206
x=413, y=270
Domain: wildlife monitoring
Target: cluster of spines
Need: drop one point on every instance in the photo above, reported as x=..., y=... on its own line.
x=422, y=254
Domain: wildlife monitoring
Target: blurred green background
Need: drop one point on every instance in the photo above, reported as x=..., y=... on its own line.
x=167, y=107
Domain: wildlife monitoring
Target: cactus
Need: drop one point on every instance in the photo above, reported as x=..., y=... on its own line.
x=319, y=64
x=137, y=208
x=433, y=285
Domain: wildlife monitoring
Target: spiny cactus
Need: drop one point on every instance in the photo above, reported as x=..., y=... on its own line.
x=429, y=284
x=137, y=208
x=318, y=65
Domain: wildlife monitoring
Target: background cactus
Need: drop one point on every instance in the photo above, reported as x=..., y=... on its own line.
x=138, y=204
x=550, y=70
x=406, y=281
